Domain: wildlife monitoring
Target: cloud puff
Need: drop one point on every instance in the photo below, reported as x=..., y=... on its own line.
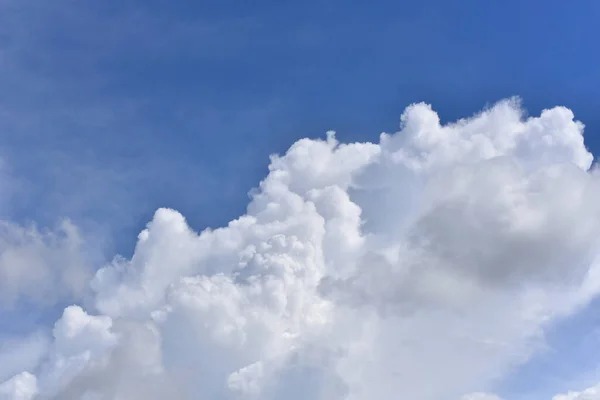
x=20, y=387
x=592, y=393
x=41, y=267
x=18, y=354
x=424, y=266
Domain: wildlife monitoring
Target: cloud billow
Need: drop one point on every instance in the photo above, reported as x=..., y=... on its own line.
x=425, y=266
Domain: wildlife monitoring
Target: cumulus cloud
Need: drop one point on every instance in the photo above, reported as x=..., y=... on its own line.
x=23, y=353
x=592, y=393
x=424, y=266
x=20, y=387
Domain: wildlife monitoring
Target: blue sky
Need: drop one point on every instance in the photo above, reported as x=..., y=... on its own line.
x=109, y=110
x=179, y=104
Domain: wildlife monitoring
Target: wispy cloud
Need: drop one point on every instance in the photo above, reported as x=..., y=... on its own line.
x=83, y=139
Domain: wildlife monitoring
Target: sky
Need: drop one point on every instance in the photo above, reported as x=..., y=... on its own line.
x=444, y=260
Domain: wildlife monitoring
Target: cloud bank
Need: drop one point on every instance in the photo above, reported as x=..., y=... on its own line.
x=425, y=266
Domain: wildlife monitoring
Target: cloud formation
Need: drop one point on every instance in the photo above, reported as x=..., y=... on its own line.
x=481, y=396
x=42, y=267
x=425, y=266
x=592, y=393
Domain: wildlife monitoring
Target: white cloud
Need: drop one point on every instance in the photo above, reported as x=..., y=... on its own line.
x=41, y=266
x=20, y=387
x=481, y=396
x=425, y=266
x=592, y=393
x=21, y=354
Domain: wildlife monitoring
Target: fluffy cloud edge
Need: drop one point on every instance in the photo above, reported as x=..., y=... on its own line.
x=354, y=268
